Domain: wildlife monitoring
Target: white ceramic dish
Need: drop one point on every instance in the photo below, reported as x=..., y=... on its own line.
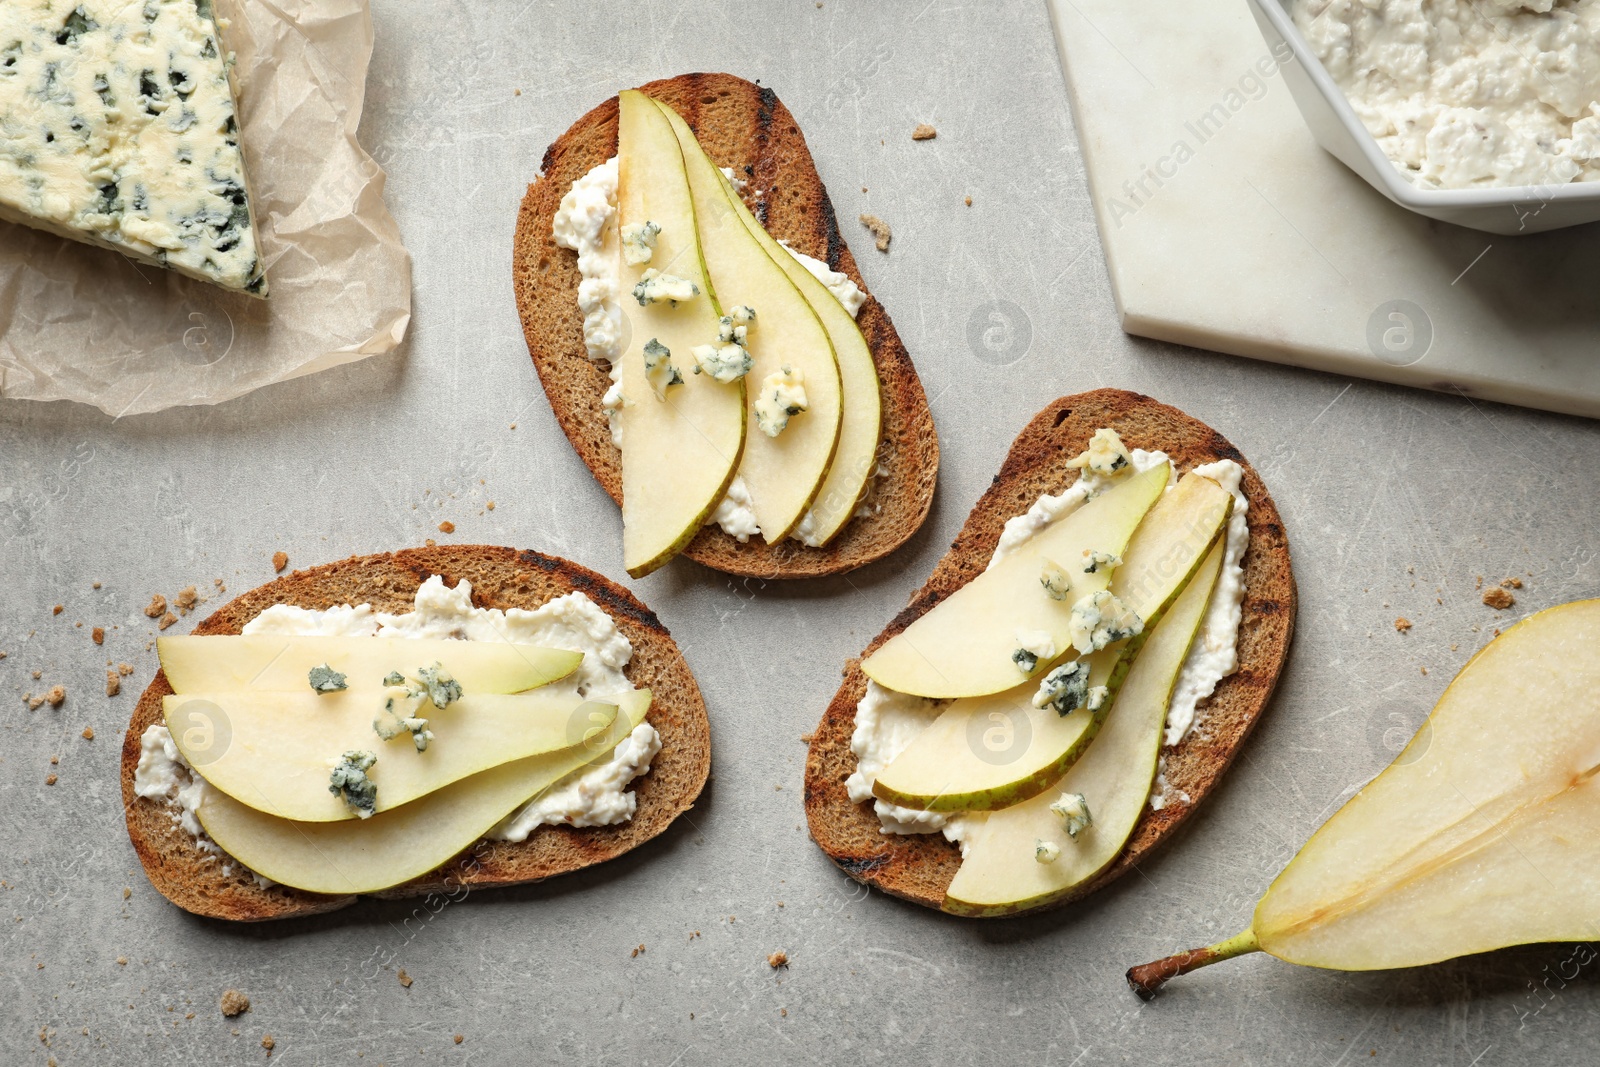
x=1513, y=210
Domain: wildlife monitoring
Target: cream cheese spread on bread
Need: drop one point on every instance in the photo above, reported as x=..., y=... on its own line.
x=595, y=795
x=886, y=722
x=586, y=222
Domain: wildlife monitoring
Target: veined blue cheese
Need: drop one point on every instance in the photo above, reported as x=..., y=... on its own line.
x=1100, y=619
x=658, y=368
x=118, y=128
x=639, y=242
x=655, y=287
x=1074, y=811
x=1066, y=689
x=782, y=396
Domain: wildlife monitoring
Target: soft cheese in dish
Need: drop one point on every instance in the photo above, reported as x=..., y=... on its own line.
x=1469, y=93
x=118, y=128
x=586, y=222
x=595, y=795
x=886, y=721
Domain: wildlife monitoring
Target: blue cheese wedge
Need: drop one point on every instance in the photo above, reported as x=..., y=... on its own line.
x=118, y=128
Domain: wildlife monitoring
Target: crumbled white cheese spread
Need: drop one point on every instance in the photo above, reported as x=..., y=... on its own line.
x=595, y=795
x=1469, y=93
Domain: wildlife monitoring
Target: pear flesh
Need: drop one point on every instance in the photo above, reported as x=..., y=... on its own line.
x=276, y=751
x=281, y=663
x=784, y=473
x=1483, y=833
x=1001, y=872
x=989, y=752
x=682, y=440
x=402, y=843
x=856, y=459
x=964, y=646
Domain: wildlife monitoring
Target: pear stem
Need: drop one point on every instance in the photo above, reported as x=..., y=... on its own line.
x=1146, y=978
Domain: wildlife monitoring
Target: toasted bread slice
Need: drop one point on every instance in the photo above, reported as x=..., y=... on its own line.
x=743, y=126
x=919, y=867
x=501, y=578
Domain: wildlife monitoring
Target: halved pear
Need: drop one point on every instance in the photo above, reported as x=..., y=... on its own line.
x=963, y=647
x=784, y=474
x=989, y=752
x=394, y=846
x=1483, y=833
x=282, y=662
x=1000, y=869
x=681, y=449
x=275, y=751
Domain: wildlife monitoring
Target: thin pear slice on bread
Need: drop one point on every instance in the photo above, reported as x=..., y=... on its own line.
x=205, y=884
x=920, y=867
x=745, y=127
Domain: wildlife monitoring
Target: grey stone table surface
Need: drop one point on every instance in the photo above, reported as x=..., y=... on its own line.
x=1395, y=502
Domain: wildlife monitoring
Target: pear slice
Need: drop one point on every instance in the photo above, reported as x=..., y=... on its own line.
x=856, y=459
x=963, y=647
x=394, y=846
x=784, y=474
x=989, y=752
x=1483, y=833
x=276, y=751
x=281, y=663
x=680, y=448
x=1001, y=872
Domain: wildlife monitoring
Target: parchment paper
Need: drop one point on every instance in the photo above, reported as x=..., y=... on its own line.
x=87, y=324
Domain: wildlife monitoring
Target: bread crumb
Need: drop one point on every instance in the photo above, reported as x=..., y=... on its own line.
x=56, y=695
x=98, y=635
x=127, y=891
x=447, y=527
x=405, y=979
x=516, y=92
x=807, y=738
x=694, y=935
x=491, y=505
x=783, y=1012
x=881, y=233
x=122, y=961
x=1511, y=583
x=157, y=607
x=924, y=132
x=430, y=542
x=58, y=609
x=280, y=560
x=49, y=779
x=124, y=669
x=969, y=201
x=166, y=620
x=234, y=1003
x=1402, y=624
x=54, y=760
x=778, y=959
x=1424, y=670
x=268, y=1044
x=33, y=701
x=1480, y=582
x=635, y=954
x=1498, y=598
x=94, y=585
x=460, y=1038
x=88, y=733
x=113, y=683
x=186, y=599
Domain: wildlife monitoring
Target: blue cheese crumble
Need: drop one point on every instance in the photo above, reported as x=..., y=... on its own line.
x=658, y=368
x=1100, y=619
x=324, y=679
x=1033, y=647
x=118, y=128
x=349, y=782
x=1074, y=811
x=1105, y=456
x=655, y=287
x=639, y=242
x=1053, y=576
x=1094, y=562
x=783, y=395
x=1065, y=689
x=1046, y=851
